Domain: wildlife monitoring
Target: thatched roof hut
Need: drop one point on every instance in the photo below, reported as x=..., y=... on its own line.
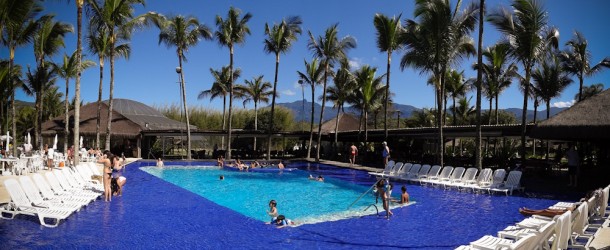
x=129, y=118
x=347, y=122
x=587, y=120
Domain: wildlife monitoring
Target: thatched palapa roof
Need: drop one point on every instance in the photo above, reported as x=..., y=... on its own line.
x=129, y=118
x=346, y=123
x=586, y=120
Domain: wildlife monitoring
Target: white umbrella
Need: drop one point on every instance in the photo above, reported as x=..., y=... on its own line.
x=81, y=142
x=55, y=142
x=29, y=138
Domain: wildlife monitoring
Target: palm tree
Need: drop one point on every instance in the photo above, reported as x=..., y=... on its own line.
x=524, y=29
x=421, y=118
x=341, y=92
x=478, y=84
x=438, y=40
x=279, y=39
x=389, y=32
x=220, y=87
x=52, y=102
x=456, y=87
x=576, y=60
x=117, y=18
x=48, y=40
x=37, y=82
x=464, y=111
x=498, y=72
x=329, y=49
x=67, y=71
x=7, y=87
x=589, y=91
x=98, y=41
x=368, y=91
x=549, y=81
x=18, y=26
x=256, y=90
x=312, y=77
x=182, y=33
x=231, y=31
x=79, y=58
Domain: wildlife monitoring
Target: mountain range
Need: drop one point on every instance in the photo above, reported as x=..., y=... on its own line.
x=405, y=111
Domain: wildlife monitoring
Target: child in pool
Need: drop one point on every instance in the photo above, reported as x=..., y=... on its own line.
x=282, y=221
x=272, y=210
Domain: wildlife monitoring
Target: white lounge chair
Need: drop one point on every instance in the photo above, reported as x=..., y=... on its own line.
x=396, y=169
x=483, y=177
x=48, y=194
x=491, y=242
x=514, y=233
x=21, y=205
x=85, y=179
x=60, y=189
x=412, y=172
x=386, y=171
x=71, y=185
x=455, y=175
x=33, y=194
x=423, y=171
x=512, y=182
x=431, y=175
x=496, y=180
x=444, y=176
x=468, y=178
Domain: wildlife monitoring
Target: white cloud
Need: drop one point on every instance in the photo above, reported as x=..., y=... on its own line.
x=288, y=92
x=563, y=104
x=355, y=63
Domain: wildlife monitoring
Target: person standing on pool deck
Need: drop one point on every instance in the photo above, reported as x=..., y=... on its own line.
x=352, y=156
x=385, y=154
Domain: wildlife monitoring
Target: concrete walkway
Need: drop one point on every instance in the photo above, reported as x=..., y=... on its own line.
x=341, y=164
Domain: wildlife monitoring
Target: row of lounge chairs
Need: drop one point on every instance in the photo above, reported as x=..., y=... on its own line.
x=459, y=177
x=576, y=228
x=55, y=196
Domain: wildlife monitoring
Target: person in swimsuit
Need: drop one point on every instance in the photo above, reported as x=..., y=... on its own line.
x=106, y=162
x=282, y=221
x=352, y=156
x=385, y=154
x=118, y=180
x=272, y=210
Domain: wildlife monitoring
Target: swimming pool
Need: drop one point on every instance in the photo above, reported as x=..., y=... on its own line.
x=154, y=213
x=303, y=200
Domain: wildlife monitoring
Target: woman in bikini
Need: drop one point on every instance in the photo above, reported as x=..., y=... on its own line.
x=107, y=163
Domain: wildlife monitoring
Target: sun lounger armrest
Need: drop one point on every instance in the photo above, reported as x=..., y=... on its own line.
x=542, y=217
x=39, y=205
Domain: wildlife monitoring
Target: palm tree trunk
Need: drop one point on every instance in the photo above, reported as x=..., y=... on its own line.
x=548, y=115
x=478, y=156
x=255, y=122
x=67, y=117
x=454, y=123
x=230, y=102
x=99, y=105
x=322, y=111
x=337, y=125
x=224, y=121
x=497, y=110
x=360, y=124
x=37, y=118
x=535, y=116
x=313, y=88
x=441, y=144
x=490, y=109
x=13, y=113
x=79, y=45
x=111, y=92
x=526, y=93
x=271, y=118
x=580, y=87
x=366, y=131
x=186, y=110
x=387, y=97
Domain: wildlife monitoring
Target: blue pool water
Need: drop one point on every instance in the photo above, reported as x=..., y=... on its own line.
x=155, y=213
x=298, y=198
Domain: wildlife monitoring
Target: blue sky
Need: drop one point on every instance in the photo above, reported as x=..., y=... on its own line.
x=149, y=75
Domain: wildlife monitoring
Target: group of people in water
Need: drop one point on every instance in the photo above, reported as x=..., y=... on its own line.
x=237, y=163
x=383, y=189
x=113, y=180
x=277, y=219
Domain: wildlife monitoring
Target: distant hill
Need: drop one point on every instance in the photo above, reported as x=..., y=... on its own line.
x=20, y=104
x=405, y=111
x=530, y=113
x=330, y=113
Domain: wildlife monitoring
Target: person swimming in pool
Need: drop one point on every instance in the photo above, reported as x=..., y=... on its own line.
x=281, y=221
x=280, y=165
x=272, y=210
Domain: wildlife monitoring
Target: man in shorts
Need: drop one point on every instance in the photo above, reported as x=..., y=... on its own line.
x=352, y=155
x=573, y=162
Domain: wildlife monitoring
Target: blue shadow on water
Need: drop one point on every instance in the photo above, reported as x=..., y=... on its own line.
x=153, y=213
